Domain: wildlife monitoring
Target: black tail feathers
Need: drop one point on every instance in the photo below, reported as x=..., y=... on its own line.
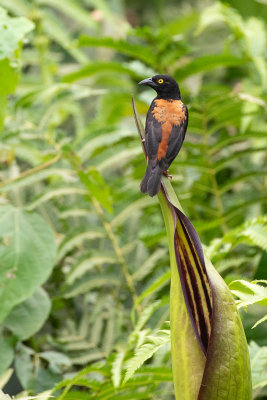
x=151, y=181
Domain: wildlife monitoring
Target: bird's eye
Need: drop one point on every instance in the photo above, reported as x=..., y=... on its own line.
x=160, y=81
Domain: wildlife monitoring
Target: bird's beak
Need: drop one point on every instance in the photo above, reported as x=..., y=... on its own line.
x=147, y=82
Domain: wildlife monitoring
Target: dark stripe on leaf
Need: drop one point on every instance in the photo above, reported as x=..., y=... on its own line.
x=194, y=279
x=186, y=282
x=202, y=274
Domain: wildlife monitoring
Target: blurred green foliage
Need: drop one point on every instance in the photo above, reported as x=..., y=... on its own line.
x=70, y=153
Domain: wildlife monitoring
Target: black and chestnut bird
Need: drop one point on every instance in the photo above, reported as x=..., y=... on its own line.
x=166, y=124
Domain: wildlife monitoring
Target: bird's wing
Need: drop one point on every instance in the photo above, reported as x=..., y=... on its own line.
x=175, y=141
x=153, y=137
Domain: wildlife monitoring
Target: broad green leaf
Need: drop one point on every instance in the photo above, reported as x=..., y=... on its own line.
x=27, y=253
x=7, y=353
x=28, y=317
x=4, y=378
x=12, y=31
x=33, y=376
x=258, y=358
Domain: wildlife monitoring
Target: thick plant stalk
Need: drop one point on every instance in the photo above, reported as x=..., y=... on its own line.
x=210, y=359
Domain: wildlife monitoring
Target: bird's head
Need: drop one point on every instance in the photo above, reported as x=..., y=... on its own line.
x=164, y=85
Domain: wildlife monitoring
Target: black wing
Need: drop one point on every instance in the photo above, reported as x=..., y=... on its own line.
x=153, y=136
x=175, y=142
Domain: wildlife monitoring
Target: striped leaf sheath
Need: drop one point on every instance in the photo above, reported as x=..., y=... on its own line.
x=194, y=278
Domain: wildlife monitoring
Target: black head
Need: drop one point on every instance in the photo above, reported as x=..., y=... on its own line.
x=165, y=86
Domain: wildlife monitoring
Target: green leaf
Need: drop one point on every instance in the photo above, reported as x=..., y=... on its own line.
x=8, y=78
x=156, y=285
x=208, y=63
x=4, y=378
x=145, y=315
x=86, y=265
x=142, y=53
x=51, y=194
x=116, y=368
x=94, y=68
x=76, y=240
x=8, y=82
x=146, y=351
x=57, y=361
x=72, y=10
x=94, y=282
x=12, y=31
x=149, y=265
x=249, y=293
x=64, y=174
x=28, y=317
x=7, y=354
x=258, y=357
x=127, y=212
x=57, y=31
x=96, y=186
x=33, y=376
x=260, y=321
x=27, y=254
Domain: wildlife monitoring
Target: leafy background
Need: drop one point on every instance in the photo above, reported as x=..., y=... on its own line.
x=84, y=260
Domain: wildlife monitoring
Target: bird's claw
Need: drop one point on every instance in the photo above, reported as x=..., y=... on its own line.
x=166, y=173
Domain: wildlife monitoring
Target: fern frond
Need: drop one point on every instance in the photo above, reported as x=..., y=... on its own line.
x=146, y=351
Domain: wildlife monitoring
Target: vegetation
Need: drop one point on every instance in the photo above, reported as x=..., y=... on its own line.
x=85, y=270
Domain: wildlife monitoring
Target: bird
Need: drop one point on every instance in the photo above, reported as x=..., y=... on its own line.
x=165, y=129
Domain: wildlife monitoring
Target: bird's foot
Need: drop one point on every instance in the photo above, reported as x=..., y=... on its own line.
x=143, y=140
x=166, y=173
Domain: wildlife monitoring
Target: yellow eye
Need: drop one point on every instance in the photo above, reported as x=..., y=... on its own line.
x=160, y=81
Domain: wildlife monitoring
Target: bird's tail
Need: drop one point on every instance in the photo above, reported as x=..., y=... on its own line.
x=151, y=181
